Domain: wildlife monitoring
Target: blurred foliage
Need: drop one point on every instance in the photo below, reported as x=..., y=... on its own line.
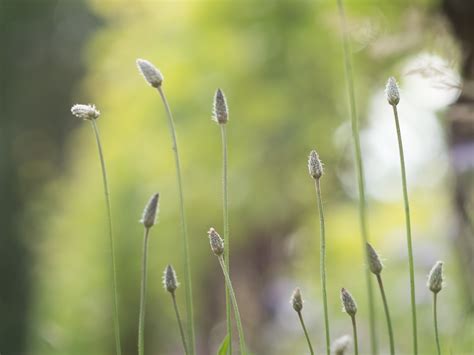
x=280, y=64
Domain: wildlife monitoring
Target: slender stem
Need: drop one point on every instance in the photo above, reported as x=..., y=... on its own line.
x=408, y=228
x=243, y=348
x=141, y=319
x=354, y=330
x=360, y=176
x=118, y=347
x=187, y=262
x=225, y=210
x=306, y=333
x=435, y=316
x=178, y=317
x=387, y=314
x=323, y=264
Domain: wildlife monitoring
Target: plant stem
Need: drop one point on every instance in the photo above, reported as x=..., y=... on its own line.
x=354, y=330
x=387, y=314
x=323, y=264
x=435, y=316
x=306, y=333
x=226, y=229
x=243, y=348
x=187, y=262
x=181, y=331
x=141, y=320
x=360, y=176
x=118, y=347
x=408, y=228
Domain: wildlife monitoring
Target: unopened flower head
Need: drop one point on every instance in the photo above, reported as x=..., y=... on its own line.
x=152, y=75
x=220, y=112
x=375, y=264
x=340, y=345
x=296, y=300
x=315, y=166
x=86, y=112
x=217, y=243
x=436, y=278
x=348, y=303
x=170, y=281
x=391, y=92
x=151, y=211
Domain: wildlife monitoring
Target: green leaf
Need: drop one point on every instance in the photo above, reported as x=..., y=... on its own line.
x=224, y=346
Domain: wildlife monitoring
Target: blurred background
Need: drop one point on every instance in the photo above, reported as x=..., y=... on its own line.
x=281, y=65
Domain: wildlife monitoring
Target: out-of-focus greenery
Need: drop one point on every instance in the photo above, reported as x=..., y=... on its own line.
x=280, y=64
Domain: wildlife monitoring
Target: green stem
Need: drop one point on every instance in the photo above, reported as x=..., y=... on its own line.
x=306, y=333
x=435, y=316
x=187, y=262
x=354, y=330
x=118, y=347
x=408, y=229
x=323, y=265
x=387, y=314
x=360, y=176
x=141, y=319
x=178, y=317
x=226, y=230
x=240, y=330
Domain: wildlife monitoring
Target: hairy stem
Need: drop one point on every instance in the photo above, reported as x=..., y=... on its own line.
x=323, y=264
x=187, y=262
x=178, y=317
x=408, y=230
x=435, y=316
x=118, y=347
x=240, y=330
x=360, y=176
x=387, y=314
x=141, y=319
x=300, y=316
x=354, y=330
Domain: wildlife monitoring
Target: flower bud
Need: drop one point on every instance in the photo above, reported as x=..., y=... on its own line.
x=348, y=303
x=315, y=166
x=151, y=211
x=340, y=345
x=220, y=112
x=435, y=278
x=391, y=92
x=217, y=243
x=296, y=300
x=152, y=75
x=375, y=264
x=86, y=112
x=170, y=281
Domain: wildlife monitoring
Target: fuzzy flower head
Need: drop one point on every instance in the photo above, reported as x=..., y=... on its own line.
x=348, y=303
x=315, y=166
x=436, y=278
x=152, y=75
x=86, y=112
x=375, y=264
x=296, y=300
x=151, y=211
x=391, y=92
x=220, y=111
x=170, y=280
x=217, y=243
x=340, y=345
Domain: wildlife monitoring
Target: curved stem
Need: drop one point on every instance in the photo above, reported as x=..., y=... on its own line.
x=354, y=330
x=408, y=230
x=435, y=316
x=141, y=319
x=323, y=264
x=225, y=210
x=118, y=347
x=187, y=262
x=240, y=330
x=360, y=176
x=178, y=317
x=387, y=314
x=306, y=333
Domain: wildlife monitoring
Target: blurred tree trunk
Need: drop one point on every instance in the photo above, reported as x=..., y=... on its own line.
x=460, y=120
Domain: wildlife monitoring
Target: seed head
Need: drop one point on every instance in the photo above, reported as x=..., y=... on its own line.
x=217, y=243
x=170, y=281
x=220, y=112
x=86, y=112
x=315, y=166
x=436, y=278
x=391, y=92
x=375, y=264
x=296, y=300
x=348, y=304
x=340, y=345
x=152, y=75
x=151, y=211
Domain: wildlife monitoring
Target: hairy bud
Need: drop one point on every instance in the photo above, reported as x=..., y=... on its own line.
x=348, y=303
x=152, y=75
x=296, y=300
x=220, y=112
x=86, y=112
x=315, y=166
x=375, y=264
x=340, y=345
x=391, y=92
x=151, y=211
x=435, y=278
x=217, y=243
x=170, y=281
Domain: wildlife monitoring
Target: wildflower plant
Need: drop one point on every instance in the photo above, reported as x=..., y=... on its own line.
x=297, y=302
